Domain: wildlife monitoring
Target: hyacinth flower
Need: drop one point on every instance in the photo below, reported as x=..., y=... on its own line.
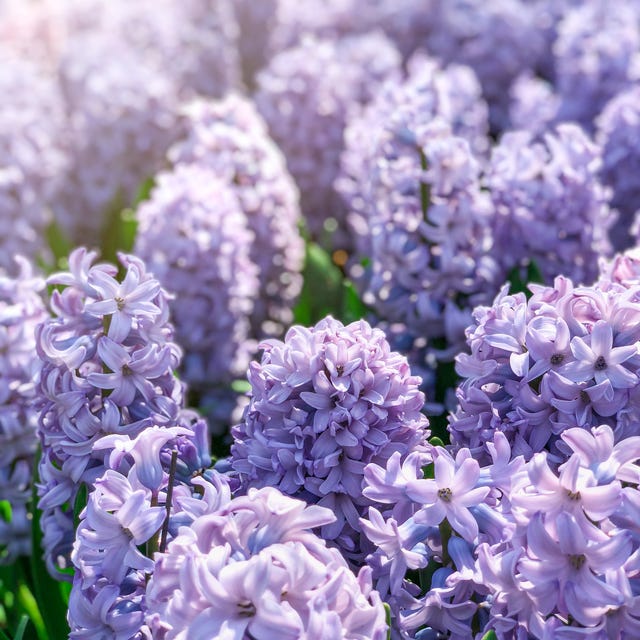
x=552, y=548
x=425, y=227
x=567, y=357
x=153, y=483
x=617, y=130
x=306, y=94
x=107, y=368
x=32, y=156
x=229, y=138
x=195, y=237
x=550, y=207
x=252, y=569
x=21, y=310
x=325, y=402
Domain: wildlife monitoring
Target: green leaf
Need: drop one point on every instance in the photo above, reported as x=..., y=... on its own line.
x=5, y=510
x=352, y=306
x=21, y=628
x=79, y=504
x=144, y=191
x=241, y=386
x=522, y=275
x=490, y=635
x=322, y=288
x=60, y=247
x=387, y=618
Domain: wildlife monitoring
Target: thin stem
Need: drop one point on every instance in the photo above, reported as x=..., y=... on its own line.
x=165, y=525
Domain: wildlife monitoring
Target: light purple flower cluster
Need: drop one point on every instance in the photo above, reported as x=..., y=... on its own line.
x=21, y=309
x=31, y=157
x=418, y=212
x=618, y=133
x=230, y=139
x=550, y=207
x=323, y=404
x=251, y=569
x=528, y=550
x=497, y=39
x=306, y=94
x=194, y=236
x=107, y=367
x=123, y=119
x=145, y=494
x=595, y=57
x=568, y=357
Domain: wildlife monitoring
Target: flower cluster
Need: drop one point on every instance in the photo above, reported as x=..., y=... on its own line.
x=194, y=236
x=31, y=157
x=618, y=133
x=21, y=309
x=251, y=569
x=498, y=40
x=550, y=207
x=306, y=94
x=595, y=57
x=107, y=367
x=420, y=217
x=568, y=357
x=144, y=495
x=323, y=404
x=531, y=550
x=230, y=139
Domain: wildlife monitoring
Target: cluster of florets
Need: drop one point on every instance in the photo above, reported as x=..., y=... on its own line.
x=618, y=133
x=124, y=117
x=595, y=57
x=567, y=357
x=536, y=549
x=323, y=404
x=550, y=207
x=147, y=491
x=306, y=94
x=32, y=158
x=230, y=139
x=107, y=367
x=195, y=238
x=498, y=40
x=419, y=216
x=21, y=309
x=252, y=569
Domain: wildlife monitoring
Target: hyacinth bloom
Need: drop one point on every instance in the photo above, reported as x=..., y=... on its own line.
x=323, y=404
x=92, y=384
x=21, y=309
x=252, y=569
x=306, y=94
x=32, y=156
x=550, y=206
x=194, y=235
x=594, y=57
x=617, y=131
x=134, y=508
x=567, y=357
x=229, y=138
x=422, y=221
x=555, y=546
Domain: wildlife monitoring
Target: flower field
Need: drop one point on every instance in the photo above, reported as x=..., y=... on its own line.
x=319, y=320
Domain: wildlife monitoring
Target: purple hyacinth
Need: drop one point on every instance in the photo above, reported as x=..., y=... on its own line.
x=595, y=54
x=253, y=569
x=323, y=404
x=419, y=215
x=549, y=204
x=618, y=130
x=107, y=367
x=568, y=357
x=124, y=117
x=534, y=104
x=230, y=138
x=32, y=156
x=194, y=235
x=498, y=40
x=152, y=485
x=21, y=309
x=306, y=94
